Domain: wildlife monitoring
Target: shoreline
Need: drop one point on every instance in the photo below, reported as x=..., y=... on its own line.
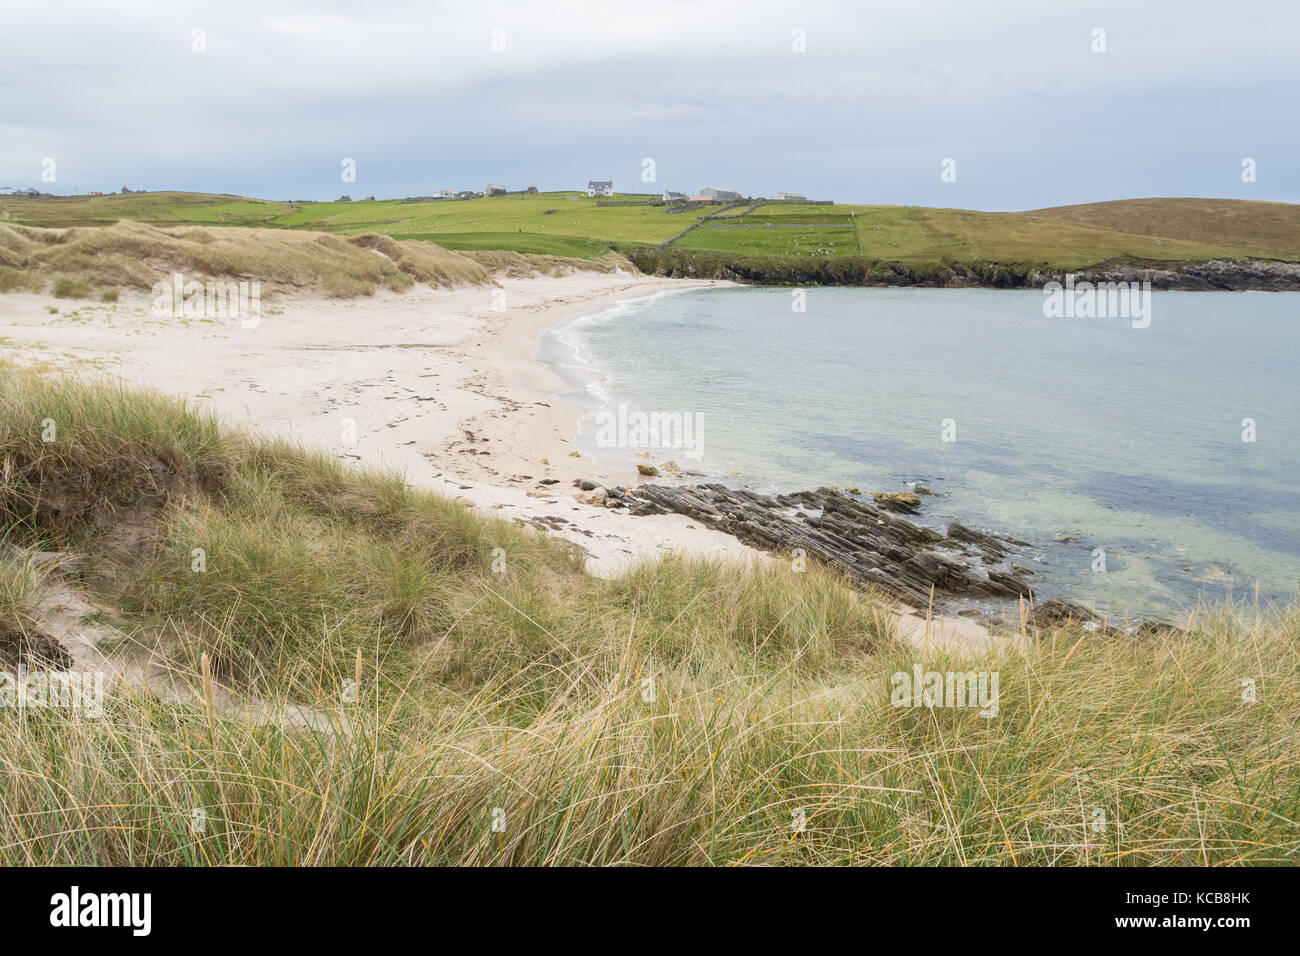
x=434, y=383
x=437, y=384
x=535, y=384
x=1209, y=275
x=574, y=376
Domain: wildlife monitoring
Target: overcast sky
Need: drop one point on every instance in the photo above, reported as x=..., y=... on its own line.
x=432, y=95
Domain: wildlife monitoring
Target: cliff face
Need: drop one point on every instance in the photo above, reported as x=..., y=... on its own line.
x=1257, y=274
x=1217, y=274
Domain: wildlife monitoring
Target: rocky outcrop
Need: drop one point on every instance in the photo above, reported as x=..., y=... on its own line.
x=904, y=502
x=1215, y=274
x=1056, y=612
x=873, y=546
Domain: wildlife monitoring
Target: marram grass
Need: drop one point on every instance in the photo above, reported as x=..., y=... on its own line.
x=416, y=704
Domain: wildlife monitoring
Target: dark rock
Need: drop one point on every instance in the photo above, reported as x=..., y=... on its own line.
x=1055, y=611
x=1259, y=274
x=905, y=502
x=868, y=543
x=1153, y=629
x=985, y=542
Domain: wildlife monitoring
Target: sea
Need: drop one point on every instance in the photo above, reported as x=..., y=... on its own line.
x=1150, y=463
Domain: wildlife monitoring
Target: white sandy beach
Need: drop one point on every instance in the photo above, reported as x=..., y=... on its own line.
x=438, y=384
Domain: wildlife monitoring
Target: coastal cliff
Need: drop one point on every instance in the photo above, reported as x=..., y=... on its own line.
x=1203, y=276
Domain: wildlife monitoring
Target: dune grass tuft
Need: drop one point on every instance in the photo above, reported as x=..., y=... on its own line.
x=90, y=261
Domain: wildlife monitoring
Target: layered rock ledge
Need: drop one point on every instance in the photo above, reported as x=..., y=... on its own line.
x=873, y=546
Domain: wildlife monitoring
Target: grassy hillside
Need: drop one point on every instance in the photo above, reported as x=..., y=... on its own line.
x=161, y=208
x=571, y=215
x=574, y=225
x=918, y=236
x=1269, y=230
x=460, y=670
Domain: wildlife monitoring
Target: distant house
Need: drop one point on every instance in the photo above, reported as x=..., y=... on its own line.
x=788, y=196
x=94, y=193
x=493, y=190
x=446, y=194
x=713, y=192
x=670, y=196
x=600, y=187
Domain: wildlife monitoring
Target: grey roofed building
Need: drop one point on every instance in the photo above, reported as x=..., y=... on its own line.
x=600, y=187
x=788, y=196
x=670, y=196
x=714, y=193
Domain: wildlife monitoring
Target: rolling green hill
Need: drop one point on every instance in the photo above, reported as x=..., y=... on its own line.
x=780, y=236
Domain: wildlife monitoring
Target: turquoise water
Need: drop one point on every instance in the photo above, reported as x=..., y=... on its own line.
x=1126, y=440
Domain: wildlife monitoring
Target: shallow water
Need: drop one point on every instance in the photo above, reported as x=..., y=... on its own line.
x=1129, y=441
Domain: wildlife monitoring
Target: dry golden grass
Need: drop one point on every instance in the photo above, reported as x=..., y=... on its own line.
x=524, y=264
x=88, y=260
x=688, y=712
x=1269, y=230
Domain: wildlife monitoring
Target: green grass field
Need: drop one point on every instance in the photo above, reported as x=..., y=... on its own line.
x=525, y=242
x=573, y=225
x=421, y=672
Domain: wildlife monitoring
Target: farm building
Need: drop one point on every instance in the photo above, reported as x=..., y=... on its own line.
x=494, y=190
x=713, y=192
x=600, y=187
x=670, y=196
x=789, y=196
